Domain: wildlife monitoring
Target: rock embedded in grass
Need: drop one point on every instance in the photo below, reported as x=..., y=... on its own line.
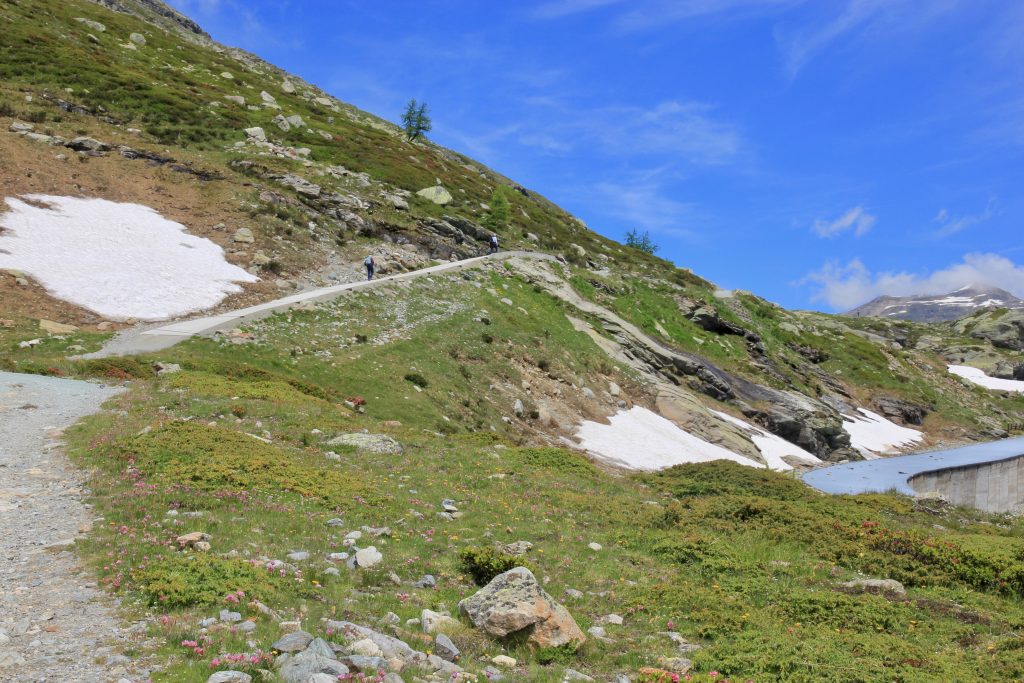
x=381, y=444
x=514, y=603
x=296, y=641
x=229, y=677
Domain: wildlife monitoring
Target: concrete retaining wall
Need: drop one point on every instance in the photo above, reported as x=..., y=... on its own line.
x=992, y=487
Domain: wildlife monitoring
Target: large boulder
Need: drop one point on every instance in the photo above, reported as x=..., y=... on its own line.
x=515, y=605
x=436, y=194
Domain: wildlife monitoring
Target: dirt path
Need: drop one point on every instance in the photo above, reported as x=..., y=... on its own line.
x=55, y=624
x=159, y=336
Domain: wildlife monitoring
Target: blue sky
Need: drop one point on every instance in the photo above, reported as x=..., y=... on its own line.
x=815, y=152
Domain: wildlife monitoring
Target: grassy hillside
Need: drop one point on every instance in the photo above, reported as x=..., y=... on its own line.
x=747, y=565
x=740, y=571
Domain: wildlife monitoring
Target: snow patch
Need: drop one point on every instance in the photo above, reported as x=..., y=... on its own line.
x=639, y=439
x=118, y=260
x=979, y=377
x=873, y=435
x=774, y=449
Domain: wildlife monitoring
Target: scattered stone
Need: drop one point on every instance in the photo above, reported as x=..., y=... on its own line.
x=87, y=144
x=229, y=617
x=301, y=667
x=448, y=505
x=256, y=133
x=20, y=127
x=298, y=556
x=445, y=648
x=368, y=557
x=138, y=39
x=573, y=593
x=236, y=99
x=289, y=626
x=504, y=661
x=515, y=603
x=517, y=549
x=613, y=619
x=574, y=675
x=365, y=648
x=267, y=97
x=94, y=25
x=595, y=546
x=371, y=443
x=883, y=586
x=434, y=622
x=166, y=368
x=518, y=408
x=244, y=236
x=287, y=87
x=51, y=327
x=229, y=677
x=426, y=581
x=436, y=194
x=297, y=641
x=677, y=665
x=597, y=631
x=614, y=389
x=192, y=539
x=335, y=521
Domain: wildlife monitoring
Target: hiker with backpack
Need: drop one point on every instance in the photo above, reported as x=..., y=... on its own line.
x=368, y=262
x=494, y=244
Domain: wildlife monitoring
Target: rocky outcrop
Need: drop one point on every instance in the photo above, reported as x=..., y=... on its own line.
x=1004, y=329
x=900, y=410
x=514, y=605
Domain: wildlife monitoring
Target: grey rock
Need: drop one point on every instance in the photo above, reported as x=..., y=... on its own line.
x=94, y=25
x=514, y=603
x=574, y=675
x=299, y=668
x=436, y=194
x=364, y=664
x=336, y=521
x=371, y=443
x=229, y=677
x=293, y=642
x=446, y=649
x=230, y=617
x=887, y=586
x=256, y=133
x=244, y=236
x=426, y=581
x=321, y=647
x=298, y=556
x=236, y=99
x=87, y=144
x=21, y=127
x=138, y=39
x=368, y=557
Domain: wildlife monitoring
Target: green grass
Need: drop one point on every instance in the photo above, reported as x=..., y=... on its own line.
x=744, y=562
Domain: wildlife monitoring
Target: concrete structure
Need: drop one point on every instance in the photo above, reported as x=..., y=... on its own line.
x=988, y=476
x=992, y=487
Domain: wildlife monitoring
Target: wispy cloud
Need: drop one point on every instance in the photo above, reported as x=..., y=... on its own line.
x=858, y=17
x=856, y=219
x=564, y=8
x=950, y=225
x=846, y=286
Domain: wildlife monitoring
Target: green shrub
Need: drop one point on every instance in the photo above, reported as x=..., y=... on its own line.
x=213, y=459
x=201, y=580
x=484, y=563
x=113, y=368
x=417, y=379
x=551, y=459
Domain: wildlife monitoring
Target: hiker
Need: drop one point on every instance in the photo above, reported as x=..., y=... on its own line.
x=368, y=262
x=494, y=244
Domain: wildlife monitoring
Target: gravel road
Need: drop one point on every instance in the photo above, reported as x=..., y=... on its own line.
x=55, y=624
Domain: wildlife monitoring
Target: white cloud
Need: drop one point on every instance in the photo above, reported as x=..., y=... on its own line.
x=950, y=225
x=856, y=219
x=846, y=286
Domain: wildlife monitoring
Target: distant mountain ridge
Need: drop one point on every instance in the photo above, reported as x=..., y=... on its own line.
x=938, y=308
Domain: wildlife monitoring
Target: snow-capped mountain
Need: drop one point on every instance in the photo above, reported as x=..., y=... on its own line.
x=952, y=306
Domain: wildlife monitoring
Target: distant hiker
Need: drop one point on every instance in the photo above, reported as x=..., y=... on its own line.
x=494, y=244
x=370, y=265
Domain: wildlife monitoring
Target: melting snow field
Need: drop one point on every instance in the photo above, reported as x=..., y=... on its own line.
x=119, y=260
x=872, y=434
x=773, y=448
x=639, y=439
x=979, y=377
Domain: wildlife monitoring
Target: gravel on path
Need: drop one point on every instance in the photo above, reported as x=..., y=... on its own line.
x=55, y=623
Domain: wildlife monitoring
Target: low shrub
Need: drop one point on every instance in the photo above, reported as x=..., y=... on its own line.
x=201, y=580
x=484, y=563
